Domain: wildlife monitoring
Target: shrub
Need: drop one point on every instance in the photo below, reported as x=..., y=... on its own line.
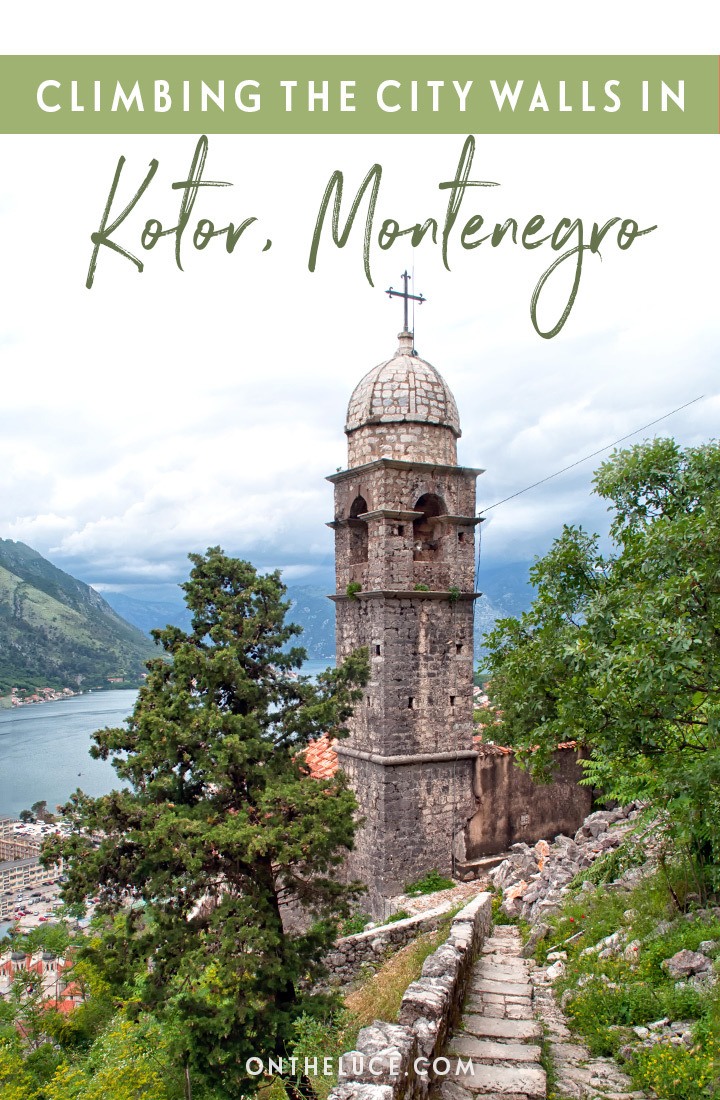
x=354, y=924
x=402, y=914
x=428, y=884
x=676, y=1073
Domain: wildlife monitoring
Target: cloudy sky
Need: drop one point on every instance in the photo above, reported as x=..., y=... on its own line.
x=162, y=412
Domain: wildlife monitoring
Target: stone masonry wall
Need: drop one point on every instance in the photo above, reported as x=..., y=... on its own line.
x=410, y=441
x=419, y=698
x=389, y=559
x=511, y=808
x=399, y=484
x=420, y=807
x=352, y=953
x=394, y=1061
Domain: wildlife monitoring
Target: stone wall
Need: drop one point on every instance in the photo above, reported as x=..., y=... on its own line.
x=352, y=953
x=394, y=1061
x=419, y=698
x=413, y=441
x=420, y=806
x=511, y=808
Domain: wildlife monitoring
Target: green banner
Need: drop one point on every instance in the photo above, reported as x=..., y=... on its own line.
x=359, y=94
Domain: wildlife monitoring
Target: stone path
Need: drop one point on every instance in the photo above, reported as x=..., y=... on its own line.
x=497, y=1036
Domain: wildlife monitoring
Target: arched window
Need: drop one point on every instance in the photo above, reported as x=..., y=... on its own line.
x=358, y=531
x=426, y=534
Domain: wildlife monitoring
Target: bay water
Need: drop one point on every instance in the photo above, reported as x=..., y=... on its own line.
x=44, y=747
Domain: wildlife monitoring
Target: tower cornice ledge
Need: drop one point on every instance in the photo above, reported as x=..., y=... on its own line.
x=401, y=464
x=458, y=521
x=406, y=594
x=399, y=761
x=391, y=513
x=378, y=513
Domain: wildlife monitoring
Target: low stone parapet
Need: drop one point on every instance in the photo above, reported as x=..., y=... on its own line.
x=352, y=953
x=395, y=1061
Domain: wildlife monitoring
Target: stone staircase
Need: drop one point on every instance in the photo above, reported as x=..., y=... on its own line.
x=495, y=1051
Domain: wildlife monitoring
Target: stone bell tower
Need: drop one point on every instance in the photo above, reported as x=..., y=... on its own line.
x=404, y=557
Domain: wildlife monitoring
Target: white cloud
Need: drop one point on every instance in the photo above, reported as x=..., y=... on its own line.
x=164, y=412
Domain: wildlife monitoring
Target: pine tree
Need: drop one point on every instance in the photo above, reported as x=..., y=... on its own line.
x=220, y=830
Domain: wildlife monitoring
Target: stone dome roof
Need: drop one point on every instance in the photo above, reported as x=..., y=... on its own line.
x=405, y=388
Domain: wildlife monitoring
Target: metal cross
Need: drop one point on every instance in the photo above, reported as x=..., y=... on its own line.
x=406, y=296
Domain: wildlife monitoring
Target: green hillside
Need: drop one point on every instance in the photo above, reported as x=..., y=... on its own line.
x=57, y=632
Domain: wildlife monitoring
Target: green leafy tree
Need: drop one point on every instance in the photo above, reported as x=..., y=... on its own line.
x=130, y=1060
x=220, y=831
x=15, y=1082
x=54, y=936
x=40, y=811
x=622, y=651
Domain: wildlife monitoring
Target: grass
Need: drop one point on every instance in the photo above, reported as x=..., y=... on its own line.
x=614, y=994
x=429, y=884
x=378, y=998
x=354, y=924
x=402, y=914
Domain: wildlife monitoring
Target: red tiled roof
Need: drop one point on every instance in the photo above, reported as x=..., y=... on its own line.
x=321, y=758
x=60, y=1006
x=488, y=748
x=485, y=748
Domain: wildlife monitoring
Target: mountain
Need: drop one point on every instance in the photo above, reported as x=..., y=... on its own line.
x=57, y=632
x=505, y=588
x=151, y=614
x=315, y=613
x=309, y=608
x=506, y=592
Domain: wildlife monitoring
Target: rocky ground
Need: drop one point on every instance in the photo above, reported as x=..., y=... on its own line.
x=533, y=881
x=578, y=1076
x=455, y=895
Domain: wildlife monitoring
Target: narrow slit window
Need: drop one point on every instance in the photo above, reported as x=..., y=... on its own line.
x=461, y=536
x=452, y=700
x=458, y=648
x=377, y=650
x=411, y=702
x=401, y=529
